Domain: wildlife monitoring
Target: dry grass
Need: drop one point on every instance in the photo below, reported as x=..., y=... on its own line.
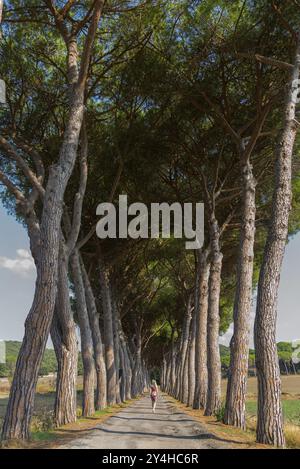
x=292, y=435
x=290, y=387
x=291, y=431
x=43, y=437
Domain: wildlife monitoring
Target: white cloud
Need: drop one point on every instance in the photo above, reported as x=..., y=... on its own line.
x=23, y=264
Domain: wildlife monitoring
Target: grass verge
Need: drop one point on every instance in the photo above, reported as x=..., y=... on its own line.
x=291, y=414
x=53, y=437
x=247, y=439
x=238, y=439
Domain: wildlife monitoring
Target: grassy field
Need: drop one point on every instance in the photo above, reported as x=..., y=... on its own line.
x=43, y=405
x=42, y=432
x=290, y=387
x=290, y=398
x=290, y=405
x=291, y=410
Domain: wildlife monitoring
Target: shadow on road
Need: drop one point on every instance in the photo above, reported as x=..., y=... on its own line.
x=200, y=436
x=152, y=420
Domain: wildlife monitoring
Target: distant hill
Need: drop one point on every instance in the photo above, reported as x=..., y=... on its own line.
x=49, y=363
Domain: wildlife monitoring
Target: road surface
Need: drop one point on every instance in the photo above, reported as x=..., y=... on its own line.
x=137, y=427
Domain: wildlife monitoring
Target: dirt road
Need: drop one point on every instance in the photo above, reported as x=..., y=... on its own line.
x=136, y=427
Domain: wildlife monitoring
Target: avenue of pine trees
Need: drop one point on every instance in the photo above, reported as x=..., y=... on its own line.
x=165, y=101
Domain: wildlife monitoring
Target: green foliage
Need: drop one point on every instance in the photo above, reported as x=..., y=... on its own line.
x=147, y=114
x=220, y=413
x=43, y=422
x=285, y=347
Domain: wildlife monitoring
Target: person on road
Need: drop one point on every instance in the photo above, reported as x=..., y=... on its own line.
x=153, y=394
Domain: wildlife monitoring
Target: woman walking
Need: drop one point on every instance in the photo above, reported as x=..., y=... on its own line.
x=153, y=394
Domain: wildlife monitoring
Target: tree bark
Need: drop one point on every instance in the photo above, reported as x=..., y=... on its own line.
x=123, y=375
x=184, y=391
x=65, y=407
x=170, y=365
x=164, y=374
x=185, y=342
x=88, y=405
x=128, y=369
x=116, y=333
x=178, y=366
x=136, y=374
x=171, y=385
x=63, y=334
x=108, y=332
x=191, y=362
x=270, y=421
x=201, y=309
x=213, y=353
x=100, y=398
x=235, y=407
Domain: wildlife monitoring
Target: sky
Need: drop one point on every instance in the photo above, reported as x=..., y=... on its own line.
x=17, y=279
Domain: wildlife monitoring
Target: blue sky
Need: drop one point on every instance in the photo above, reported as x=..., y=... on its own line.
x=17, y=278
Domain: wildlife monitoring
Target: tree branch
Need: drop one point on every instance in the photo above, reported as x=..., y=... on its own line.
x=13, y=189
x=12, y=154
x=92, y=231
x=77, y=207
x=224, y=121
x=256, y=133
x=87, y=51
x=265, y=60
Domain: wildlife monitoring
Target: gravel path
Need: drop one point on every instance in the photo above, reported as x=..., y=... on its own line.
x=137, y=427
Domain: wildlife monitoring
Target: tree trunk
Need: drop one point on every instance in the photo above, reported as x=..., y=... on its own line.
x=136, y=375
x=88, y=405
x=178, y=367
x=171, y=385
x=125, y=367
x=169, y=367
x=65, y=408
x=64, y=339
x=100, y=399
x=116, y=333
x=128, y=370
x=123, y=375
x=185, y=342
x=164, y=374
x=235, y=408
x=201, y=309
x=185, y=378
x=213, y=352
x=270, y=420
x=37, y=326
x=191, y=362
x=108, y=333
x=38, y=322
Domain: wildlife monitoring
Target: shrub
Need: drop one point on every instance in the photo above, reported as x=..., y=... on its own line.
x=220, y=413
x=43, y=422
